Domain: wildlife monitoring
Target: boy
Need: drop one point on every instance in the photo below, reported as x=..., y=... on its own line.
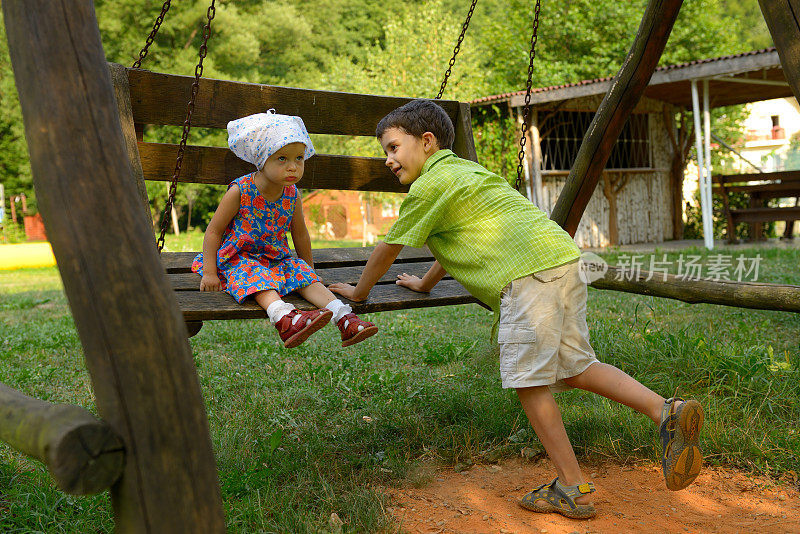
x=509, y=255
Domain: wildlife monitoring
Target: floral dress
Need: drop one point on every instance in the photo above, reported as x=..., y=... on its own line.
x=255, y=255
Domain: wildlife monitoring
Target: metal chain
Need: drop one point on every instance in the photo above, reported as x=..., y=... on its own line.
x=150, y=38
x=456, y=49
x=526, y=112
x=187, y=124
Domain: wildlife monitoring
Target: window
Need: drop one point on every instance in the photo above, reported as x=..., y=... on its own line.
x=561, y=134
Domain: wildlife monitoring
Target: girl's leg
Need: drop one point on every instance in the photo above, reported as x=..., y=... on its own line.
x=614, y=384
x=265, y=298
x=317, y=294
x=545, y=417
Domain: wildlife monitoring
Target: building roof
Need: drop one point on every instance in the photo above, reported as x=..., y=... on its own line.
x=736, y=79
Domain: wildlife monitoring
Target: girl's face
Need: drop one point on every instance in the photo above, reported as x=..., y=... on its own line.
x=285, y=167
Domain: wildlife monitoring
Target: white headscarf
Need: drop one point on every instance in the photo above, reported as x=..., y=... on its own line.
x=256, y=137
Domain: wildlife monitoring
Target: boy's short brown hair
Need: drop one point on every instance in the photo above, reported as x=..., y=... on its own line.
x=416, y=118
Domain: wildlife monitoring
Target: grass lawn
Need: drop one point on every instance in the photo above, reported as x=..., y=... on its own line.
x=302, y=433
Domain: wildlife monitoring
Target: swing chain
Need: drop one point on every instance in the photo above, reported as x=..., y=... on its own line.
x=187, y=124
x=526, y=112
x=150, y=38
x=456, y=49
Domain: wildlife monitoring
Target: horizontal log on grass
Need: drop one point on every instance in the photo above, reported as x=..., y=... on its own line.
x=83, y=454
x=755, y=295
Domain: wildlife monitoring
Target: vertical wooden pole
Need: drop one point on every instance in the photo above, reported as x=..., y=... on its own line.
x=133, y=335
x=783, y=21
x=626, y=89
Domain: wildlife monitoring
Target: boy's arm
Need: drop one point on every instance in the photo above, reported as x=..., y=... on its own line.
x=300, y=237
x=424, y=284
x=379, y=262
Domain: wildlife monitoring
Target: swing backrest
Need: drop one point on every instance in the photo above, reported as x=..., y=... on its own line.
x=161, y=99
x=146, y=97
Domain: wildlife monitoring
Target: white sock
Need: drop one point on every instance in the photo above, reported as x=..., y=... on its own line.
x=278, y=309
x=340, y=309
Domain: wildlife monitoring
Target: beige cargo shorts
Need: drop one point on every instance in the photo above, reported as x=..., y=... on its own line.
x=543, y=334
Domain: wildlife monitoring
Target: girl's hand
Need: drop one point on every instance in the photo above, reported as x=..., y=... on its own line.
x=210, y=283
x=345, y=290
x=411, y=282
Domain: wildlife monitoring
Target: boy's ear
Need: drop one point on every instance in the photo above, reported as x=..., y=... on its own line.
x=429, y=142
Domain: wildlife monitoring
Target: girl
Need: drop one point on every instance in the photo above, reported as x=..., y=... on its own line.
x=247, y=234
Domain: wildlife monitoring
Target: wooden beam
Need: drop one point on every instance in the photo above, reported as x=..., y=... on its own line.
x=626, y=89
x=131, y=328
x=218, y=305
x=765, y=214
x=781, y=176
x=216, y=165
x=119, y=77
x=158, y=98
x=324, y=258
x=783, y=21
x=83, y=454
x=754, y=295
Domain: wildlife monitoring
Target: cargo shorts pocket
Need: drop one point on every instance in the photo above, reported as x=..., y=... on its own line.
x=551, y=275
x=516, y=347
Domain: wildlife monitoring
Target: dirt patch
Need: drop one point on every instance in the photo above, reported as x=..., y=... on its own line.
x=484, y=498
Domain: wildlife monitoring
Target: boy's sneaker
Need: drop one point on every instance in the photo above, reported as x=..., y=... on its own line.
x=354, y=329
x=681, y=459
x=294, y=332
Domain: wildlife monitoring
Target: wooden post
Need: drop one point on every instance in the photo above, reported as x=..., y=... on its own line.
x=783, y=21
x=82, y=453
x=626, y=89
x=133, y=335
x=464, y=144
x=119, y=77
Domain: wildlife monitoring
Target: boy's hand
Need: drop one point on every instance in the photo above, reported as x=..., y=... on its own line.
x=412, y=282
x=210, y=283
x=345, y=290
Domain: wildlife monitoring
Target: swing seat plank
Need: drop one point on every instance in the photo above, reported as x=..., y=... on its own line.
x=332, y=265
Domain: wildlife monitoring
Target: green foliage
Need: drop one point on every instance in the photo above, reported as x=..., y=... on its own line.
x=361, y=46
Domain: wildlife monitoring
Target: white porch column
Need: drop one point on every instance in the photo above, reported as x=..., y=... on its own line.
x=705, y=207
x=536, y=163
x=707, y=143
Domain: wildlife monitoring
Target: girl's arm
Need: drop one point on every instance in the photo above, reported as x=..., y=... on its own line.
x=227, y=210
x=379, y=262
x=424, y=284
x=300, y=237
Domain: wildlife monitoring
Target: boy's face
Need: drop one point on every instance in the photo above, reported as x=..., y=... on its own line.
x=285, y=167
x=406, y=154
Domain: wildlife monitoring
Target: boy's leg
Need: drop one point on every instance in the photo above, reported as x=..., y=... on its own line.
x=615, y=384
x=545, y=417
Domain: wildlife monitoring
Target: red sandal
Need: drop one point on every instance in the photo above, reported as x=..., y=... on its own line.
x=294, y=333
x=351, y=334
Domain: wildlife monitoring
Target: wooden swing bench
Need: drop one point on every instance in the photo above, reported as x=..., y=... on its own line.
x=145, y=97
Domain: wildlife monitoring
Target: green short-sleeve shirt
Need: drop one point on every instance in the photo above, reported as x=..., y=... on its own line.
x=483, y=232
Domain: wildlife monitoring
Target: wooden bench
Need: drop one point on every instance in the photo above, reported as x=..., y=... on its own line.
x=145, y=97
x=760, y=187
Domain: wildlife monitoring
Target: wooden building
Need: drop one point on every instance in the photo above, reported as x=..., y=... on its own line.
x=640, y=198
